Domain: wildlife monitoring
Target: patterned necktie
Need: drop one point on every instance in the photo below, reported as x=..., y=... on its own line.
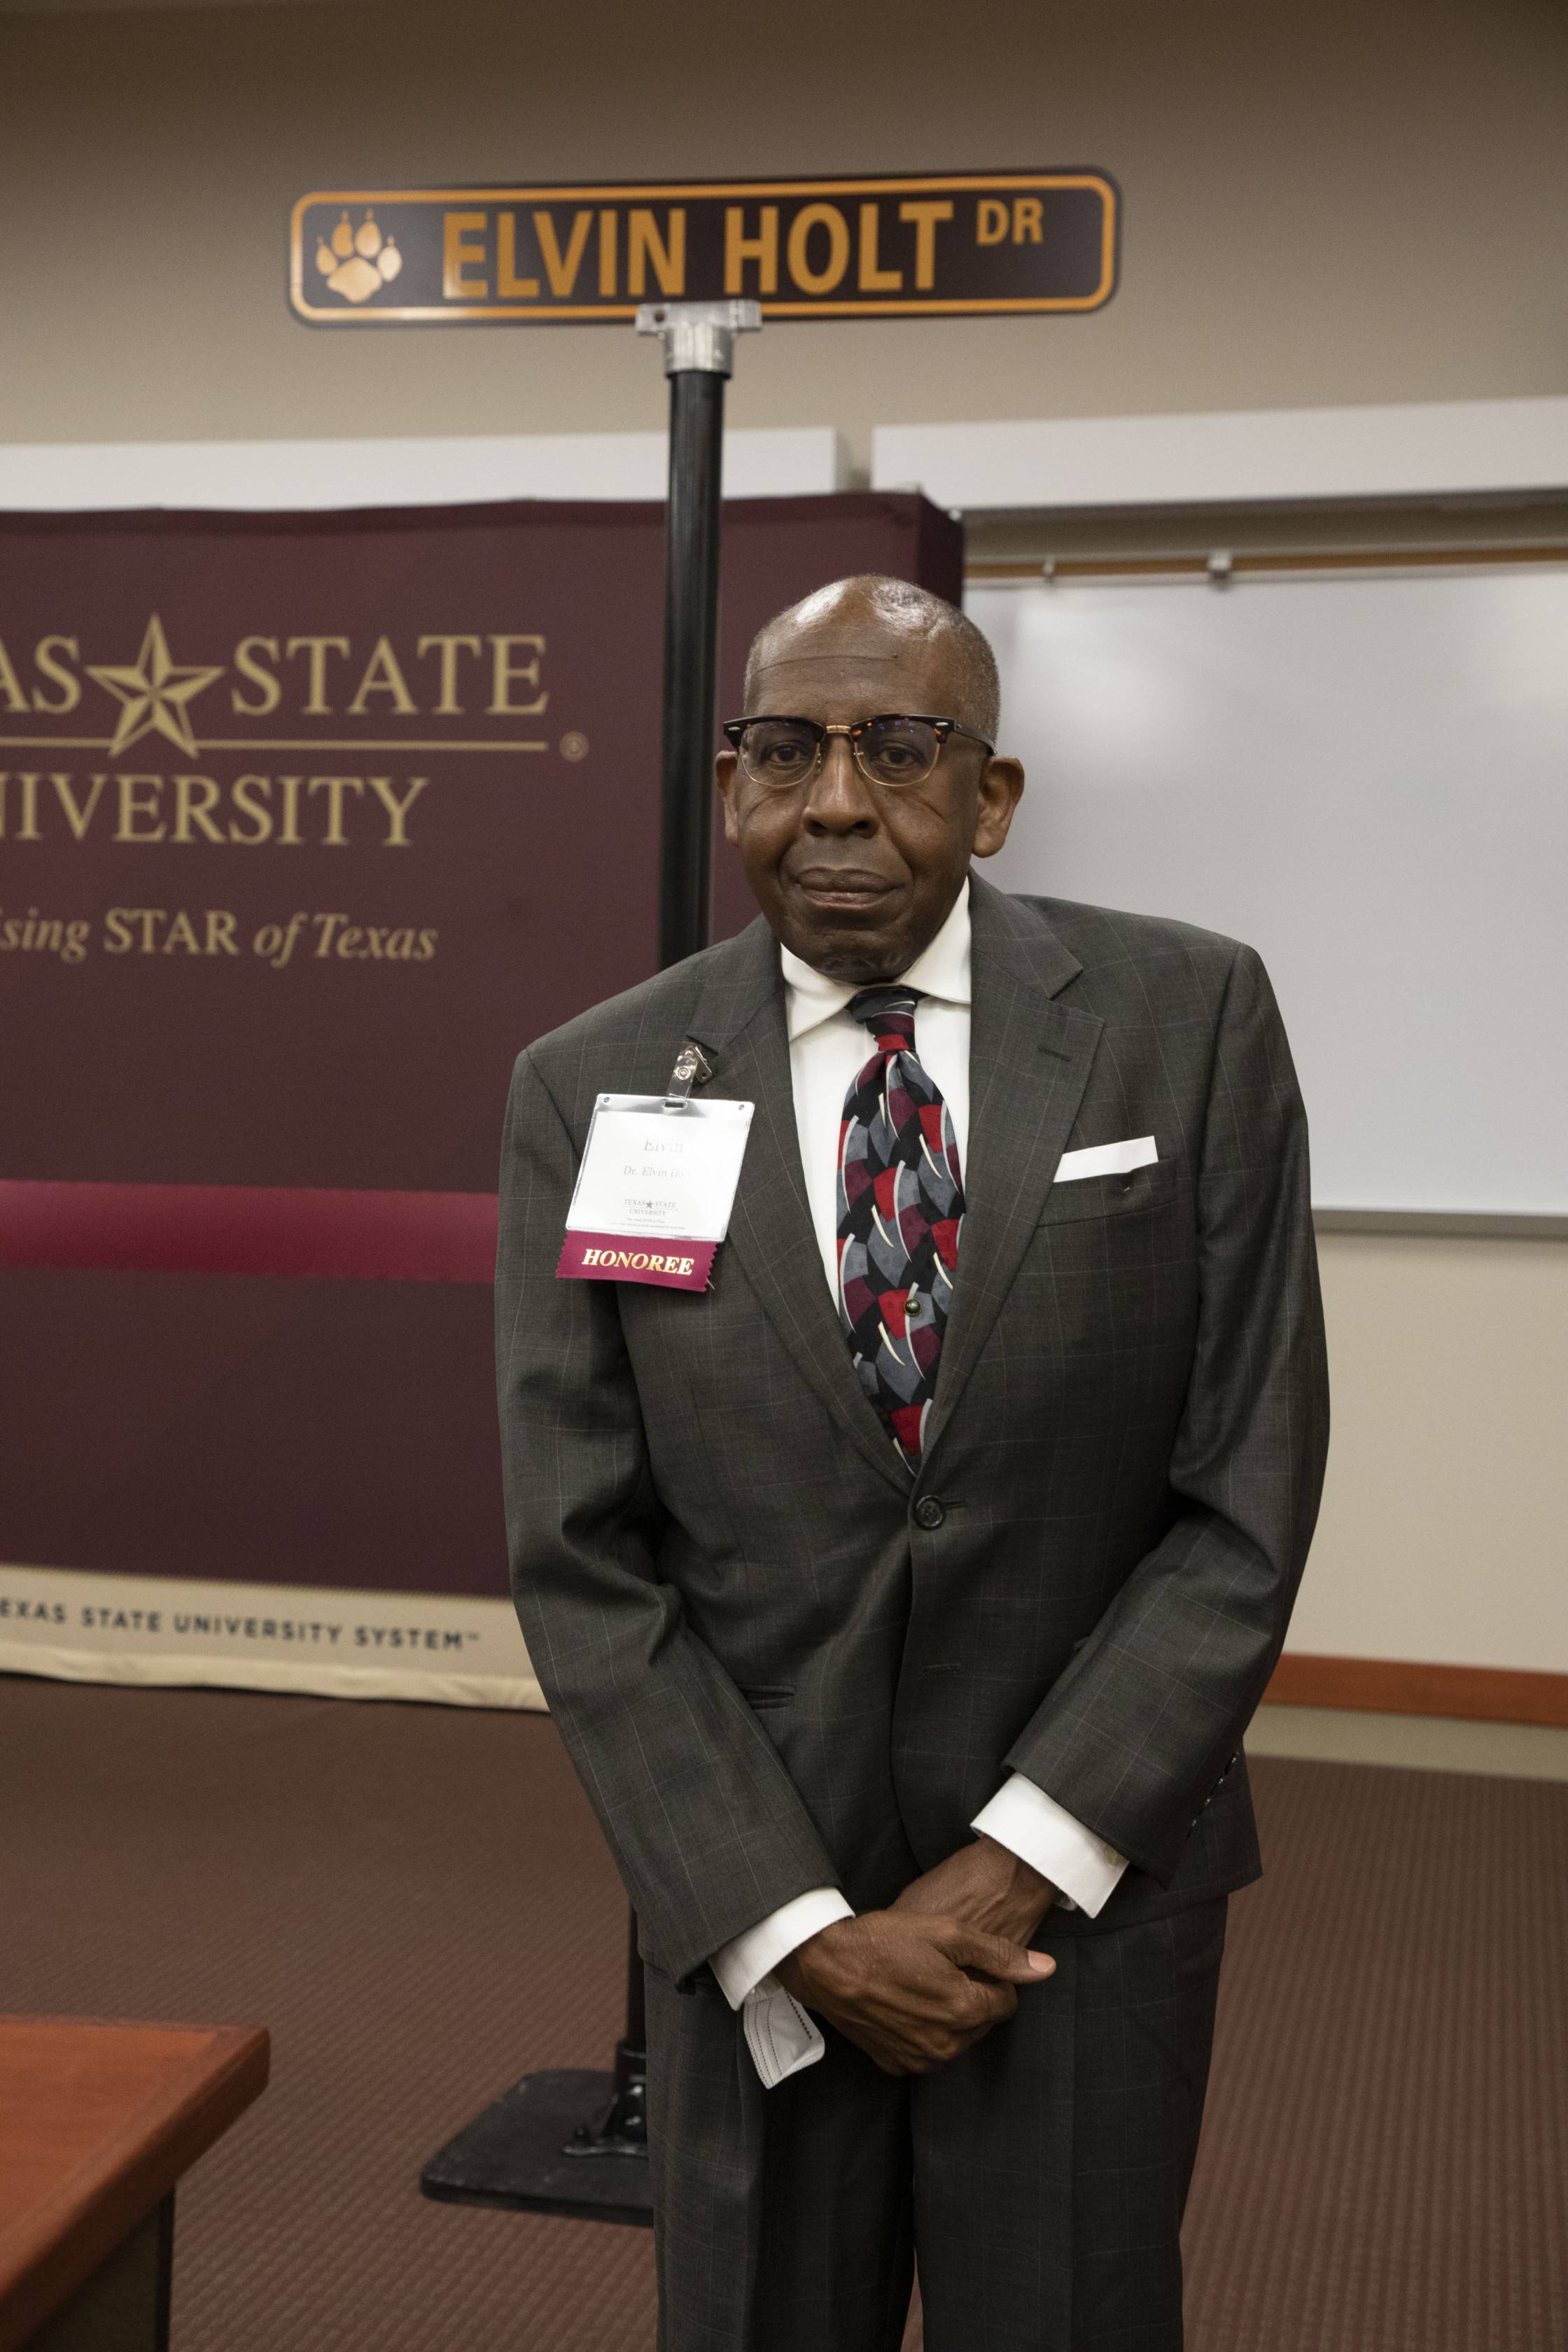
x=900, y=1210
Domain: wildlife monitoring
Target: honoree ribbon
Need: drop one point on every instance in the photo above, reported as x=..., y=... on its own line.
x=249, y=1229
x=617, y=1258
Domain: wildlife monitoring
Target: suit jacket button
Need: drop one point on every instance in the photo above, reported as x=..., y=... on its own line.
x=929, y=1512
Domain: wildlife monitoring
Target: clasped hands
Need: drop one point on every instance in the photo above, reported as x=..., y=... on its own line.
x=917, y=1985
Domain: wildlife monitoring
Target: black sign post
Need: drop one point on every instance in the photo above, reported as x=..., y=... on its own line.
x=699, y=340
x=561, y=2141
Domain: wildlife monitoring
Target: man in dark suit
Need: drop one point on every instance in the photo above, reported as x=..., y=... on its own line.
x=902, y=1598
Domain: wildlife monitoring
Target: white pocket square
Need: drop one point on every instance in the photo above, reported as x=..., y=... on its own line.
x=1107, y=1159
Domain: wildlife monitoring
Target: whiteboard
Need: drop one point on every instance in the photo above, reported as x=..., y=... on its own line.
x=1366, y=777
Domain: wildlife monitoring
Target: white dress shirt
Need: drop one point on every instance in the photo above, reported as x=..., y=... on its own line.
x=827, y=1049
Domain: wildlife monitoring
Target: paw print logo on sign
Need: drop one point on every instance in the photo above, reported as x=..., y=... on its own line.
x=358, y=262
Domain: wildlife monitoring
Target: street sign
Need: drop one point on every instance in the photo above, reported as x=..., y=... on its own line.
x=967, y=244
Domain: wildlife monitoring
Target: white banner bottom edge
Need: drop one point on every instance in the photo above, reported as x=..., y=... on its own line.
x=86, y=1626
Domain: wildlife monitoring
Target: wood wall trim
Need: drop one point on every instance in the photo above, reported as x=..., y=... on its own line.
x=1400, y=1686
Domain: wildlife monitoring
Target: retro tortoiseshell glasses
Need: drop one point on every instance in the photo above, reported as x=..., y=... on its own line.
x=893, y=751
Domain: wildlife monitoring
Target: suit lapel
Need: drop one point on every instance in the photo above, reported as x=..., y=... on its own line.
x=1029, y=1059
x=739, y=1020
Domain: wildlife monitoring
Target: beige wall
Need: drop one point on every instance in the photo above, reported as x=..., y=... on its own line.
x=1329, y=204
x=1444, y=1527
x=1334, y=203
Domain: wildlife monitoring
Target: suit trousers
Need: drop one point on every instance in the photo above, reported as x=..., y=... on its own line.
x=1038, y=2181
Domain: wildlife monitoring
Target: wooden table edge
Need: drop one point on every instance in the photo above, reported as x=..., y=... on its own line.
x=65, y=2238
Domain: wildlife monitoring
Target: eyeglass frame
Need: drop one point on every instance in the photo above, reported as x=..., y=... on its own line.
x=733, y=731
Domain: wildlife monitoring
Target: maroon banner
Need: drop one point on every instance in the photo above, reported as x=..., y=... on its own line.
x=250, y=1229
x=307, y=823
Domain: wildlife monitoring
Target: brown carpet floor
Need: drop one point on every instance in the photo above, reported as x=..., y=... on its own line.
x=417, y=1902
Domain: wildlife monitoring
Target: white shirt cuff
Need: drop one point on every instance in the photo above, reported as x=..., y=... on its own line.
x=741, y=1965
x=1081, y=1866
x=781, y=2036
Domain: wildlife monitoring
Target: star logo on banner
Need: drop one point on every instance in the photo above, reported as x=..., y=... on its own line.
x=153, y=691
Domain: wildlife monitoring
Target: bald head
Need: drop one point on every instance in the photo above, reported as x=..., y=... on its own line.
x=855, y=870
x=874, y=619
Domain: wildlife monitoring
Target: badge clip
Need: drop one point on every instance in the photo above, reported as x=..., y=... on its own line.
x=692, y=1069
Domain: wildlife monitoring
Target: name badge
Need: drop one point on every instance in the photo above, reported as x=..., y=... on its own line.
x=655, y=1190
